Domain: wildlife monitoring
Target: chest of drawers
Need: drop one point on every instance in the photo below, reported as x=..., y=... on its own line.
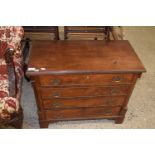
x=75, y=80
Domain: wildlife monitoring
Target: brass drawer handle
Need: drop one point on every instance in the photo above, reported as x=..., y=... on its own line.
x=117, y=79
x=56, y=94
x=56, y=104
x=56, y=82
x=114, y=91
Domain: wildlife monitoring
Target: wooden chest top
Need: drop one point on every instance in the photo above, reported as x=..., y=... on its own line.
x=61, y=57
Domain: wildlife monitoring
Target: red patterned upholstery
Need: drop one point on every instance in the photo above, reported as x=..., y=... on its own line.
x=10, y=37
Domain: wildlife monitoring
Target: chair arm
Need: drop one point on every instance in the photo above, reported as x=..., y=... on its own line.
x=11, y=72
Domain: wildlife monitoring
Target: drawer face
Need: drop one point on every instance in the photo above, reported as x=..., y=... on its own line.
x=71, y=92
x=88, y=102
x=86, y=79
x=81, y=113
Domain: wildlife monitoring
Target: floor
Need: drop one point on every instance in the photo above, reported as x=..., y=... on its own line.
x=141, y=107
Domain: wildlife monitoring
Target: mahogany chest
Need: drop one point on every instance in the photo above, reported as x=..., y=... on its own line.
x=75, y=80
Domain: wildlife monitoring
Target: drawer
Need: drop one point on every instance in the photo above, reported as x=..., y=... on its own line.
x=87, y=79
x=73, y=92
x=81, y=113
x=85, y=102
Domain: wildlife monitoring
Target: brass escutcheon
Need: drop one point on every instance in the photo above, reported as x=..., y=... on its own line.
x=56, y=104
x=117, y=79
x=56, y=82
x=56, y=94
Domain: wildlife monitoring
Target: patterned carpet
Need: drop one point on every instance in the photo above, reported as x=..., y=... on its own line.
x=141, y=109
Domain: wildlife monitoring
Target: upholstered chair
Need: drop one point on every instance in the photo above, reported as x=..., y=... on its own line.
x=11, y=73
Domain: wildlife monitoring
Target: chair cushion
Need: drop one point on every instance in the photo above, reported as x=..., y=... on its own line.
x=3, y=48
x=8, y=105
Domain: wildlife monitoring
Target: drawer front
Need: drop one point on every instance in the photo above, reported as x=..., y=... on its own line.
x=70, y=92
x=87, y=79
x=88, y=102
x=81, y=113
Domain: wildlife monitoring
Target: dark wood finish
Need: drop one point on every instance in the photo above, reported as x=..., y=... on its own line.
x=66, y=57
x=75, y=80
x=25, y=50
x=88, y=79
x=84, y=102
x=87, y=32
x=39, y=31
x=74, y=92
x=11, y=72
x=80, y=113
x=36, y=33
x=93, y=33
